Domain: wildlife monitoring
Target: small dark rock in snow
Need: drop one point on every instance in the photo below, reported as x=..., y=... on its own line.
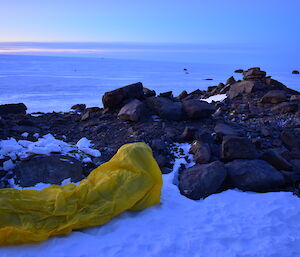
x=295, y=72
x=202, y=180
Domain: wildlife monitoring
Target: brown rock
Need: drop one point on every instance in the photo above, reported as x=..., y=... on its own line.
x=237, y=148
x=133, y=111
x=117, y=98
x=274, y=97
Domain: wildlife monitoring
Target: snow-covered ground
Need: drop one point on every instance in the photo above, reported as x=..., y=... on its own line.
x=228, y=224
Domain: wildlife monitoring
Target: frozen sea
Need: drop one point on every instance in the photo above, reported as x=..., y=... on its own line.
x=53, y=76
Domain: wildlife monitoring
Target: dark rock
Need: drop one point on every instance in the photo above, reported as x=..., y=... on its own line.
x=230, y=81
x=276, y=160
x=254, y=73
x=295, y=98
x=161, y=160
x=182, y=95
x=211, y=88
x=188, y=134
x=165, y=108
x=237, y=148
x=7, y=109
x=28, y=129
x=203, y=153
x=196, y=109
x=274, y=97
x=133, y=111
x=239, y=71
x=295, y=72
x=289, y=139
x=203, y=180
x=148, y=92
x=159, y=145
x=222, y=129
x=196, y=92
x=254, y=175
x=78, y=107
x=117, y=98
x=288, y=177
x=285, y=107
x=90, y=113
x=168, y=94
x=51, y=169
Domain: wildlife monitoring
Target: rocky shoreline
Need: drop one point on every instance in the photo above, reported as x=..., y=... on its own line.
x=249, y=141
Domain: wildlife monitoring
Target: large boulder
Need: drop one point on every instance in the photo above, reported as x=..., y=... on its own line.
x=196, y=109
x=254, y=175
x=245, y=87
x=237, y=148
x=117, y=98
x=166, y=108
x=202, y=180
x=52, y=169
x=133, y=111
x=274, y=97
x=8, y=109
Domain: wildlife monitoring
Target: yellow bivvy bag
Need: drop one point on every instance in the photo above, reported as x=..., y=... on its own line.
x=131, y=180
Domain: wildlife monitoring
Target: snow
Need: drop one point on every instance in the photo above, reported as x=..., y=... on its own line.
x=228, y=224
x=215, y=98
x=40, y=186
x=45, y=145
x=25, y=134
x=84, y=145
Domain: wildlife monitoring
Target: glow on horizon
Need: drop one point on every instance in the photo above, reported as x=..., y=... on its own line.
x=194, y=21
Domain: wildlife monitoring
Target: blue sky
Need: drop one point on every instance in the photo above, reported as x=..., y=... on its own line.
x=258, y=22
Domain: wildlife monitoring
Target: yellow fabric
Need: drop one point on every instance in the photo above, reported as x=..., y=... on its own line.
x=131, y=180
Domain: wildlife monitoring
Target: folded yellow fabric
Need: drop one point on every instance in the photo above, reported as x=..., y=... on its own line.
x=131, y=180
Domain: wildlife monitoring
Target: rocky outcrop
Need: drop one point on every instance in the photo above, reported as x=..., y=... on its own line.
x=245, y=87
x=117, y=98
x=254, y=74
x=254, y=175
x=133, y=111
x=203, y=180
